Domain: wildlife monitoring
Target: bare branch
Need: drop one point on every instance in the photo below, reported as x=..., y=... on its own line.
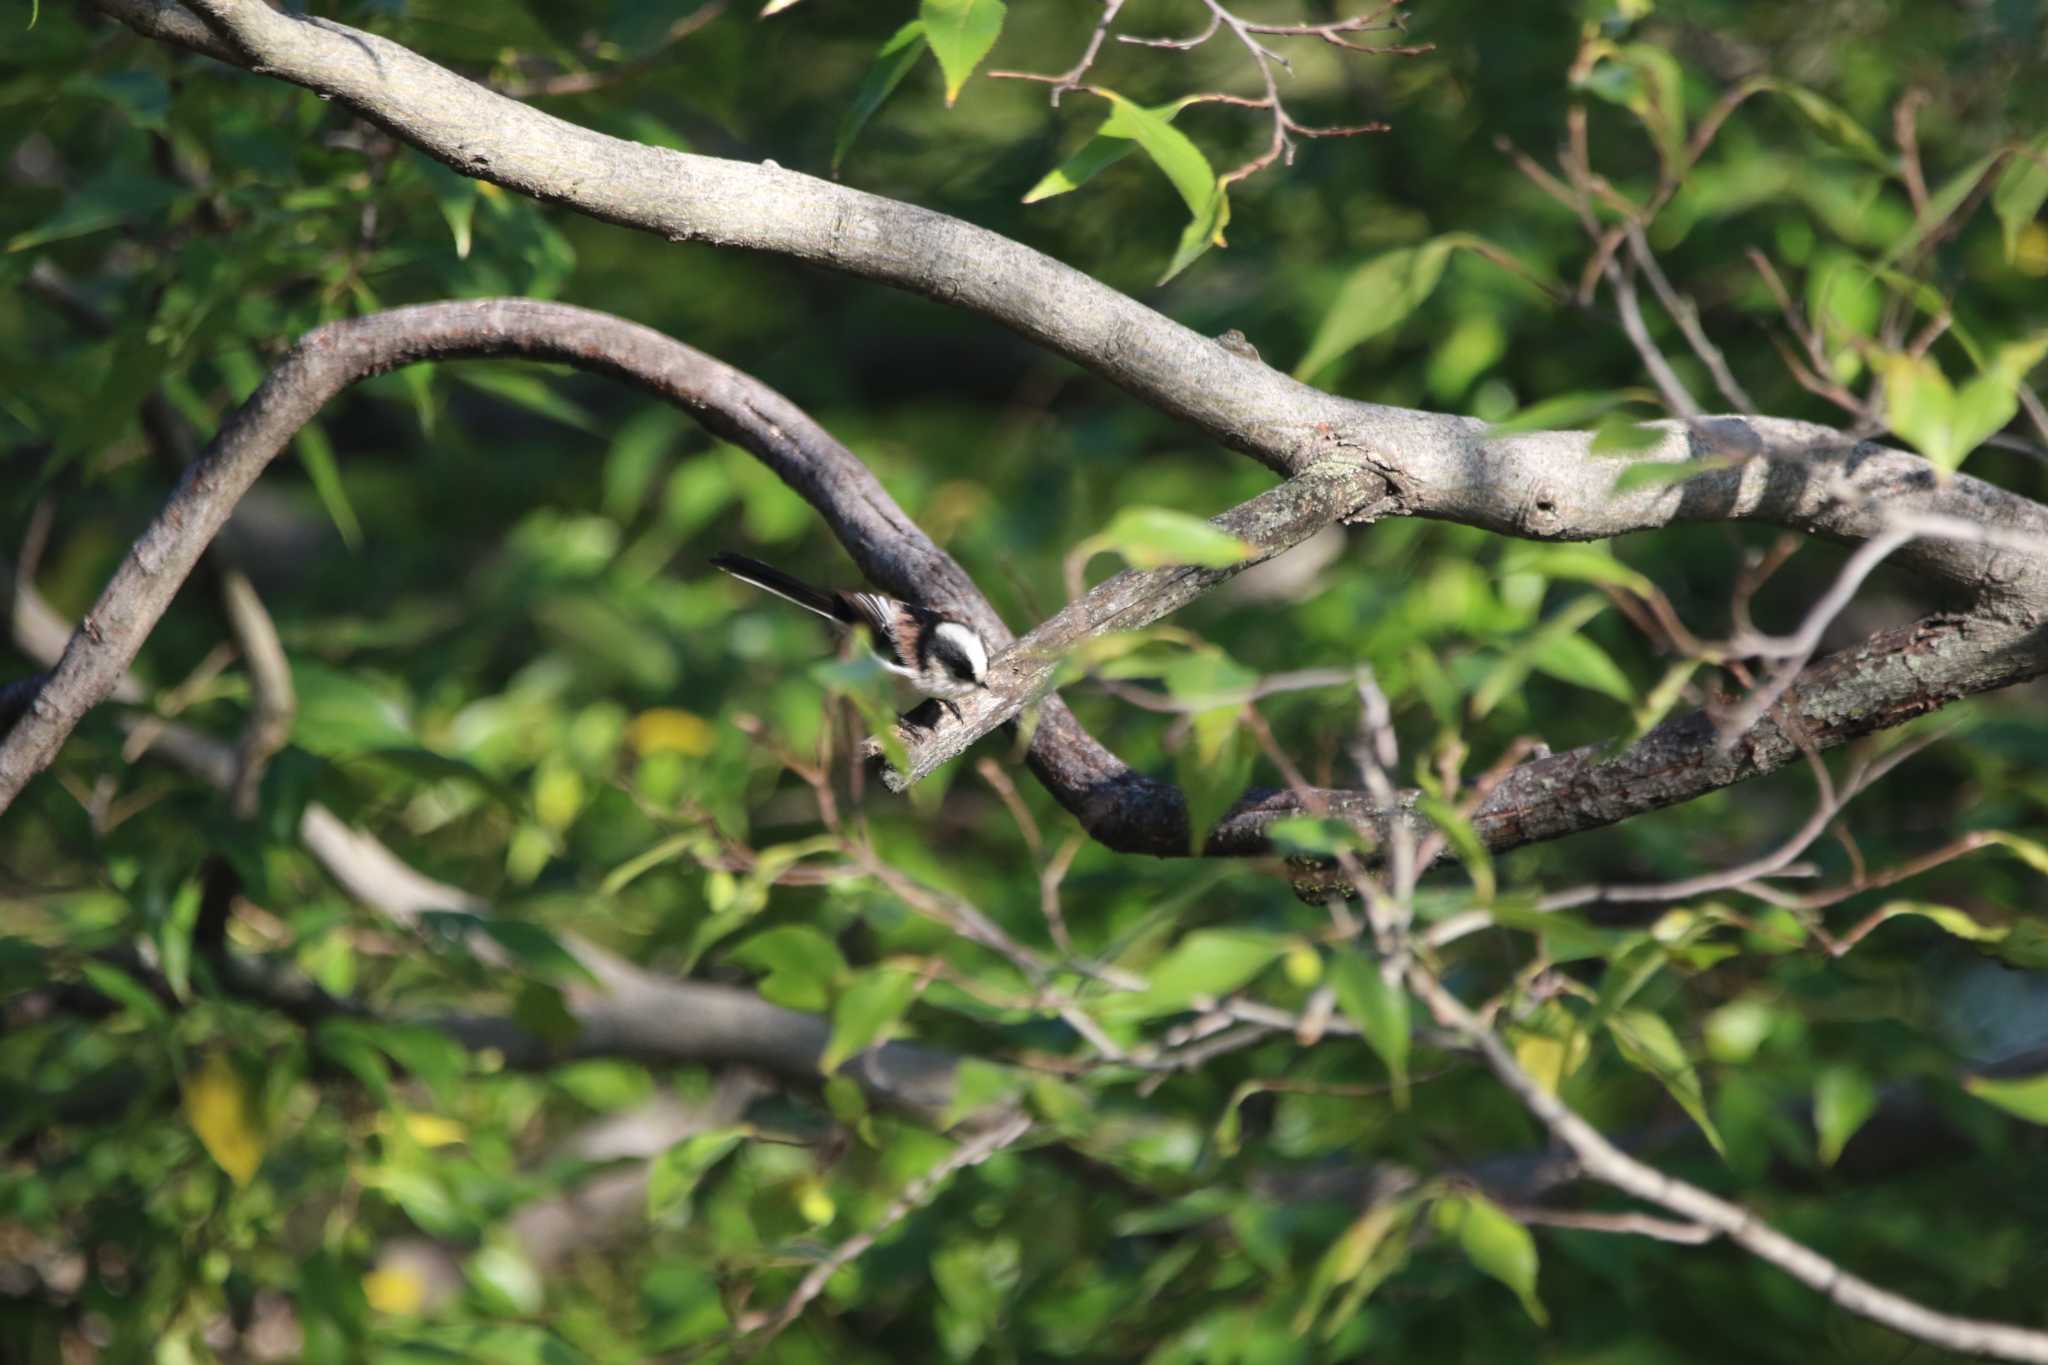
x=915, y=1195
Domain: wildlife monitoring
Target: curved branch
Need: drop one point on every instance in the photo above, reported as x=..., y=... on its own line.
x=690, y=198
x=632, y=1012
x=1540, y=485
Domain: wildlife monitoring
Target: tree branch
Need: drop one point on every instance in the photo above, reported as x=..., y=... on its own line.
x=1599, y=1159
x=1276, y=520
x=1537, y=485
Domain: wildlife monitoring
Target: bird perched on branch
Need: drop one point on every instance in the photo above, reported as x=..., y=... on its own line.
x=941, y=657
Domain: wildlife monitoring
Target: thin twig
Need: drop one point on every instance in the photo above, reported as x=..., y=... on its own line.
x=915, y=1195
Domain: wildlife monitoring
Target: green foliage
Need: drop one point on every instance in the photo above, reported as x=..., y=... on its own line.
x=513, y=670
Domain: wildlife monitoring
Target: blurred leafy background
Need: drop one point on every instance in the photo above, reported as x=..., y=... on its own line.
x=515, y=668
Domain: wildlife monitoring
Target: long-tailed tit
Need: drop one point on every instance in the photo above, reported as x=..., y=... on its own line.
x=941, y=657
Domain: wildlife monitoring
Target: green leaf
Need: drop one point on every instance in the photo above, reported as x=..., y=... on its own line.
x=1843, y=1099
x=2029, y=851
x=103, y=202
x=1315, y=836
x=506, y=1280
x=125, y=991
x=1565, y=936
x=1355, y=1258
x=960, y=32
x=1380, y=1009
x=682, y=1298
x=674, y=1175
x=456, y=196
x=1834, y=121
x=979, y=1086
x=2025, y=1096
x=1565, y=412
x=802, y=965
x=666, y=851
x=1648, y=1044
x=1207, y=964
x=1737, y=1029
x=1096, y=155
x=348, y=1043
x=865, y=1011
x=1576, y=660
x=534, y=947
x=1170, y=149
x=892, y=64
x=2018, y=196
x=1160, y=537
x=1659, y=700
x=1629, y=968
x=1617, y=436
x=1213, y=770
x=1645, y=80
x=341, y=716
x=529, y=390
x=1203, y=231
x=1465, y=843
x=1943, y=423
x=1947, y=917
x=1507, y=676
x=1941, y=206
x=316, y=454
x=1378, y=296
x=1495, y=1244
x=1585, y=562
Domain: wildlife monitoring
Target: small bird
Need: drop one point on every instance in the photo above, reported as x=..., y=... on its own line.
x=941, y=657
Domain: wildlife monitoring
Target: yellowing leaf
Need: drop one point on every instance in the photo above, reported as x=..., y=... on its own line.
x=432, y=1130
x=960, y=32
x=1549, y=1045
x=222, y=1113
x=395, y=1291
x=668, y=729
x=2026, y=1096
x=814, y=1204
x=557, y=795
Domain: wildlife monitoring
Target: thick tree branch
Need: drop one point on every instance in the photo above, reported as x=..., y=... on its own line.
x=688, y=198
x=1276, y=520
x=1537, y=485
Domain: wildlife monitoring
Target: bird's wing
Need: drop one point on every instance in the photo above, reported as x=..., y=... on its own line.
x=883, y=616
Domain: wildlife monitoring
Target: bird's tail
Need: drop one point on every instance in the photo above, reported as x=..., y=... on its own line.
x=771, y=579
